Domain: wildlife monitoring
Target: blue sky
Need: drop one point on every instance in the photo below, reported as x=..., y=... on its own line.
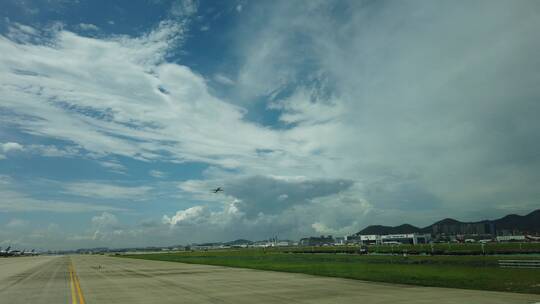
x=316, y=117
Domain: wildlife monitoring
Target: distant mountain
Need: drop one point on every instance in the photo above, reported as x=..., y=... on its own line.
x=525, y=223
x=401, y=229
x=238, y=242
x=447, y=221
x=529, y=222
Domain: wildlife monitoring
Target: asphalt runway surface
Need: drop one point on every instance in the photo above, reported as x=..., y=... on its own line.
x=102, y=279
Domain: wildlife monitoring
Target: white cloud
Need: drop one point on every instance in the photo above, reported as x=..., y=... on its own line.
x=320, y=228
x=14, y=201
x=106, y=219
x=253, y=206
x=106, y=190
x=54, y=151
x=10, y=147
x=223, y=79
x=200, y=190
x=129, y=102
x=339, y=216
x=184, y=8
x=157, y=174
x=5, y=180
x=239, y=8
x=114, y=166
x=21, y=32
x=193, y=215
x=41, y=150
x=16, y=223
x=306, y=107
x=88, y=27
x=390, y=105
x=105, y=225
x=386, y=98
x=24, y=28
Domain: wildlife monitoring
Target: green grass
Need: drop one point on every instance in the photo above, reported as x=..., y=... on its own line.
x=452, y=248
x=470, y=272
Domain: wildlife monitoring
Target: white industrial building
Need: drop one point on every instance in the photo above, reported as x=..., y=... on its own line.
x=511, y=238
x=376, y=239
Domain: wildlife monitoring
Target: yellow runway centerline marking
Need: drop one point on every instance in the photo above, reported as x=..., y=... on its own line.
x=72, y=285
x=75, y=286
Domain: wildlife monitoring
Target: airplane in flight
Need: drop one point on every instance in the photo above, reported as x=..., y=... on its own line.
x=218, y=189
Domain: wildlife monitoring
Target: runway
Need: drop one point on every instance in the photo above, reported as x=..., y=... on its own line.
x=102, y=279
x=34, y=280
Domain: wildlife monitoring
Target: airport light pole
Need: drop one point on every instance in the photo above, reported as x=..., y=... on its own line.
x=483, y=250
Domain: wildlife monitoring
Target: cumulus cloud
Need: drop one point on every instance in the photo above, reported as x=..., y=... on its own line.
x=106, y=219
x=337, y=214
x=11, y=147
x=104, y=225
x=193, y=215
x=255, y=206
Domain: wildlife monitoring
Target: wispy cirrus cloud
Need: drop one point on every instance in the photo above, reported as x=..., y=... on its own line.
x=13, y=200
x=113, y=166
x=39, y=150
x=9, y=147
x=223, y=79
x=157, y=173
x=102, y=190
x=128, y=101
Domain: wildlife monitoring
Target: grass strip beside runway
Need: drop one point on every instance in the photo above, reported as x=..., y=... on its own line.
x=468, y=272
